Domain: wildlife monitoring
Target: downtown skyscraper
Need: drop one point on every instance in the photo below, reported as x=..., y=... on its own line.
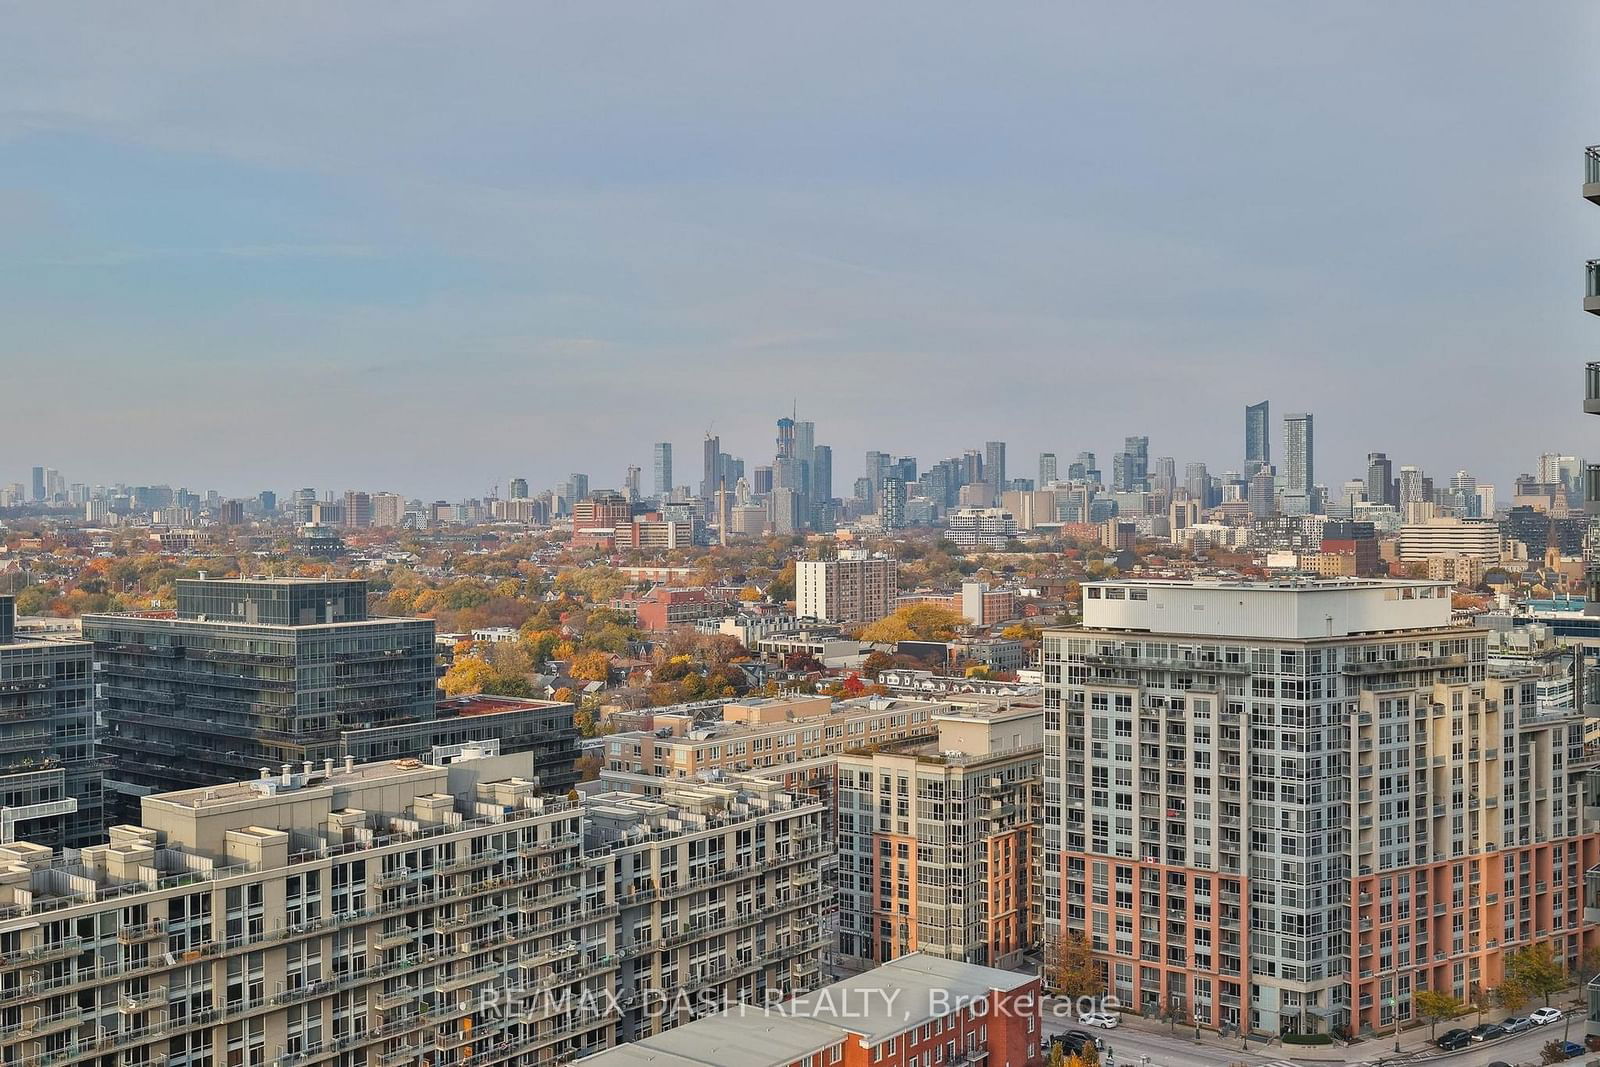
x=663, y=469
x=1257, y=438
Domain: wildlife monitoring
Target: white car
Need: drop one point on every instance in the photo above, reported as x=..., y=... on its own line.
x=1542, y=1016
x=1103, y=1019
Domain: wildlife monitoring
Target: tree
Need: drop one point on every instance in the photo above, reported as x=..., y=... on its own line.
x=1058, y=1057
x=1553, y=1052
x=1537, y=971
x=876, y=662
x=782, y=587
x=1510, y=996
x=1436, y=1006
x=591, y=667
x=914, y=622
x=1070, y=967
x=473, y=675
x=587, y=722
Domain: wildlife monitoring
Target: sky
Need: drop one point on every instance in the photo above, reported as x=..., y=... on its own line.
x=429, y=247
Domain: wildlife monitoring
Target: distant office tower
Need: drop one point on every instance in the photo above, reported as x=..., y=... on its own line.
x=357, y=511
x=821, y=473
x=785, y=438
x=786, y=514
x=1047, y=468
x=1164, y=475
x=994, y=468
x=577, y=488
x=1299, y=465
x=267, y=502
x=1380, y=479
x=1135, y=464
x=518, y=489
x=711, y=467
x=904, y=468
x=630, y=484
x=1412, y=489
x=1263, y=494
x=38, y=485
x=231, y=512
x=305, y=505
x=1086, y=462
x=971, y=467
x=50, y=779
x=805, y=442
x=1257, y=438
x=663, y=469
x=858, y=587
x=863, y=489
x=389, y=509
x=762, y=481
x=877, y=469
x=1197, y=483
x=892, y=504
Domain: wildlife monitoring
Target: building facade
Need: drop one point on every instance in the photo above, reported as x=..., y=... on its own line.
x=251, y=673
x=858, y=587
x=936, y=839
x=1293, y=805
x=50, y=774
x=403, y=913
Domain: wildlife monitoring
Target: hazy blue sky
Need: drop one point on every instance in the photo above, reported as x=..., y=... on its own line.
x=426, y=247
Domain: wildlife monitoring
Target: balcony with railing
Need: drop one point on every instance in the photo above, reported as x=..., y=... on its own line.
x=1591, y=389
x=1591, y=287
x=1591, y=174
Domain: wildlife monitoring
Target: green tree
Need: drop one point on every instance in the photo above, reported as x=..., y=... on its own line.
x=1553, y=1052
x=1510, y=996
x=1537, y=971
x=782, y=587
x=1436, y=1006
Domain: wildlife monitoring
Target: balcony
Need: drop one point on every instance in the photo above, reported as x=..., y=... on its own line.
x=1591, y=174
x=1591, y=290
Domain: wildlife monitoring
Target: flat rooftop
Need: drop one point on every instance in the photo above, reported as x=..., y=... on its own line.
x=1287, y=610
x=341, y=777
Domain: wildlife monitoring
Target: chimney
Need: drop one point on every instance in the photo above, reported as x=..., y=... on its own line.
x=288, y=775
x=349, y=764
x=327, y=766
x=266, y=774
x=306, y=768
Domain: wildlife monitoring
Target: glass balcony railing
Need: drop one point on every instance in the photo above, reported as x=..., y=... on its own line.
x=1591, y=167
x=1591, y=287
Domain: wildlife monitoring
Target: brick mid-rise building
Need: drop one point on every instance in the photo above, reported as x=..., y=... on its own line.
x=936, y=839
x=1294, y=805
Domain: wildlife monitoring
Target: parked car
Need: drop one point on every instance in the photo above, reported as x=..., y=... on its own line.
x=1541, y=1016
x=1487, y=1031
x=1572, y=1049
x=1104, y=1019
x=1073, y=1042
x=1453, y=1040
x=1517, y=1024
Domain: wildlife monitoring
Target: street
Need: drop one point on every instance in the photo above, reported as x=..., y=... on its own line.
x=1133, y=1040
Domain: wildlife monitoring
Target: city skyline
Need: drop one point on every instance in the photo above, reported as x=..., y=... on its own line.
x=468, y=254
